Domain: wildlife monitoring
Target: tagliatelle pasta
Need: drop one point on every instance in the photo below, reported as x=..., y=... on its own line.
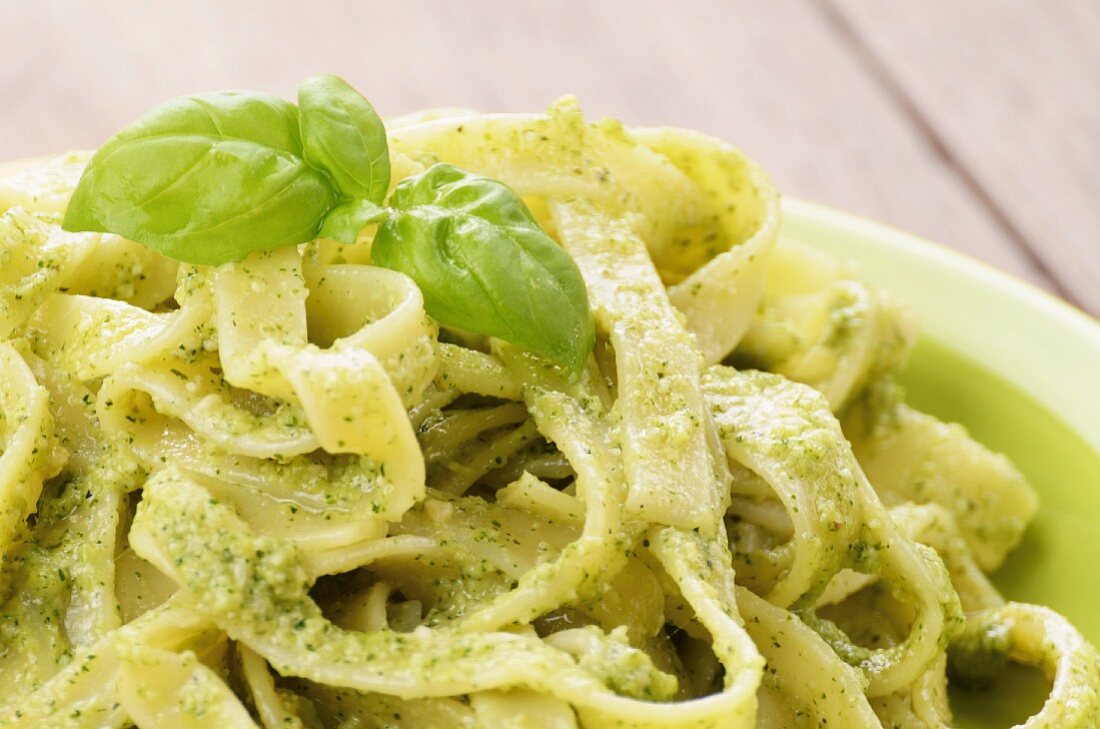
x=277, y=493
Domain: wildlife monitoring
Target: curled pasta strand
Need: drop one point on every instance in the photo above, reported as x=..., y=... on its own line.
x=793, y=418
x=911, y=456
x=659, y=408
x=1037, y=636
x=303, y=643
x=718, y=298
x=38, y=259
x=765, y=425
x=817, y=325
x=349, y=400
x=157, y=686
x=803, y=667
x=468, y=370
x=86, y=690
x=44, y=187
x=558, y=155
x=261, y=687
x=30, y=453
x=570, y=417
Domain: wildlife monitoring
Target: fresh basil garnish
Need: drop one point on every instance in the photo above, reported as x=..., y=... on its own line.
x=210, y=178
x=345, y=221
x=485, y=265
x=342, y=134
x=205, y=179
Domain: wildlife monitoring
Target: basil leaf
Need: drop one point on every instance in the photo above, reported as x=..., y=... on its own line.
x=346, y=220
x=485, y=265
x=205, y=179
x=342, y=134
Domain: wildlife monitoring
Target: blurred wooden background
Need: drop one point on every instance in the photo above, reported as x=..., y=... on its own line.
x=973, y=122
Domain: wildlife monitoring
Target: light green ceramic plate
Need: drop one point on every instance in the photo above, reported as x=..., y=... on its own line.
x=1021, y=370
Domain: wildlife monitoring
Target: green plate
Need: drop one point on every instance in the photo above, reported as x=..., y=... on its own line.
x=1021, y=370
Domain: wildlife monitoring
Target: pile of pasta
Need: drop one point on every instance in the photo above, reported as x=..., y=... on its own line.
x=276, y=493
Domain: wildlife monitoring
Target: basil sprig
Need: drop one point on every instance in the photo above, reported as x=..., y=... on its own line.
x=205, y=179
x=484, y=264
x=209, y=178
x=342, y=134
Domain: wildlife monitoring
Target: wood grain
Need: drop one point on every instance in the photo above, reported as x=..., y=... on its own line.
x=1012, y=91
x=775, y=77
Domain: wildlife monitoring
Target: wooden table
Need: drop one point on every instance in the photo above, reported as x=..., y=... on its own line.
x=973, y=122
